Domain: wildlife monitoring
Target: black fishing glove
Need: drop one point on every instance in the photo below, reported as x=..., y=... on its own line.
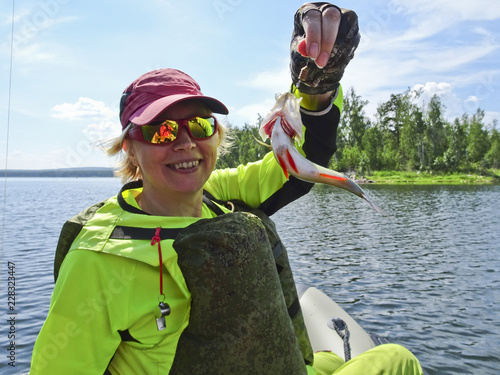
x=320, y=81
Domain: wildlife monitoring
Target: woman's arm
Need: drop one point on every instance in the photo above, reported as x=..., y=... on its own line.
x=77, y=336
x=320, y=116
x=262, y=184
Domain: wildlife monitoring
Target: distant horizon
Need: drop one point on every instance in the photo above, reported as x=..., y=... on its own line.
x=60, y=172
x=57, y=169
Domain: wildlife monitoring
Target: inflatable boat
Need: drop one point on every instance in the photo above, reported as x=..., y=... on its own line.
x=331, y=328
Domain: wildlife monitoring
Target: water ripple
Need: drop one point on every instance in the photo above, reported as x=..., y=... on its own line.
x=426, y=276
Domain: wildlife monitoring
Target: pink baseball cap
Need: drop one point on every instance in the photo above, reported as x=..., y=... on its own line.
x=152, y=93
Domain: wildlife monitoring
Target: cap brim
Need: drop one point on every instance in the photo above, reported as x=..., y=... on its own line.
x=150, y=111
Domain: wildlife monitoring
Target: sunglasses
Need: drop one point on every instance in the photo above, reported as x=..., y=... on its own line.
x=162, y=132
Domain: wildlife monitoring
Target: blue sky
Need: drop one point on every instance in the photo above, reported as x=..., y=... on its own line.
x=72, y=59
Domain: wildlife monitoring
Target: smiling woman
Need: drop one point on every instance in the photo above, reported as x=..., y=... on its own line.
x=183, y=100
x=172, y=143
x=166, y=257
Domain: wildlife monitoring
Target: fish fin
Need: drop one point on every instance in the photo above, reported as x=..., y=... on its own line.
x=267, y=128
x=291, y=161
x=283, y=166
x=288, y=129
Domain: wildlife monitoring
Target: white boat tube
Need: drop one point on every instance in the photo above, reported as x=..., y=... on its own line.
x=322, y=315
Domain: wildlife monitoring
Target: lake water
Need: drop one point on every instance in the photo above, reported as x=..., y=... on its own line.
x=426, y=275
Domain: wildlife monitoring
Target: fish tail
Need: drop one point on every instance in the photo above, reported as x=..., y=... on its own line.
x=373, y=205
x=337, y=179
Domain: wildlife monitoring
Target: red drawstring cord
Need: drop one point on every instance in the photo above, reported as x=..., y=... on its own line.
x=156, y=240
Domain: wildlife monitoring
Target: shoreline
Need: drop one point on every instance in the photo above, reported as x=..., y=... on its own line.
x=63, y=172
x=492, y=177
x=425, y=178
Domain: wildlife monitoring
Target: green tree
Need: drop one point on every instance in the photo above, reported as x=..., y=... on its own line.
x=420, y=126
x=392, y=117
x=435, y=133
x=392, y=114
x=353, y=122
x=402, y=137
x=349, y=161
x=493, y=155
x=455, y=155
x=478, y=142
x=372, y=149
x=411, y=138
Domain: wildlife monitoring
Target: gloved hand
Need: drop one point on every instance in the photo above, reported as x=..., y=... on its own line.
x=320, y=80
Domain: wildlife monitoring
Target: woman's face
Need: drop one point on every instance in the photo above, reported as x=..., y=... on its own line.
x=182, y=166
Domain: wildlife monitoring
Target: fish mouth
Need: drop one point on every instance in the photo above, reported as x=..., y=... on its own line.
x=184, y=165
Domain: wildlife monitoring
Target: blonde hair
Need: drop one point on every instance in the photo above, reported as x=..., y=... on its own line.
x=127, y=171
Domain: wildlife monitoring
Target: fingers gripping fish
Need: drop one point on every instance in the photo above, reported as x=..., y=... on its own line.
x=283, y=125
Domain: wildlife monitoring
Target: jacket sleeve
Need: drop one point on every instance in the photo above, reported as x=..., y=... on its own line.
x=77, y=336
x=262, y=184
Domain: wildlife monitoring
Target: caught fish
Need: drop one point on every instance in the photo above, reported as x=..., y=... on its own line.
x=283, y=125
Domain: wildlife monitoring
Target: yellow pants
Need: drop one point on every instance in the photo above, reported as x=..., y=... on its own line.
x=387, y=359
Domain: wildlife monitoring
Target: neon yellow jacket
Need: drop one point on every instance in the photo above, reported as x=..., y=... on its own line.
x=105, y=302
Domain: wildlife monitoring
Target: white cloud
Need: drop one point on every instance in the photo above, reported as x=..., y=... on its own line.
x=472, y=99
x=451, y=10
x=102, y=131
x=444, y=91
x=33, y=54
x=101, y=121
x=438, y=54
x=401, y=24
x=31, y=26
x=454, y=105
x=249, y=113
x=36, y=17
x=483, y=31
x=18, y=15
x=84, y=109
x=271, y=80
x=434, y=88
x=492, y=118
x=429, y=17
x=450, y=58
x=260, y=88
x=409, y=43
x=484, y=83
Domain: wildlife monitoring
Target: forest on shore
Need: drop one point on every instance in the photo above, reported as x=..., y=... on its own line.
x=404, y=142
x=404, y=136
